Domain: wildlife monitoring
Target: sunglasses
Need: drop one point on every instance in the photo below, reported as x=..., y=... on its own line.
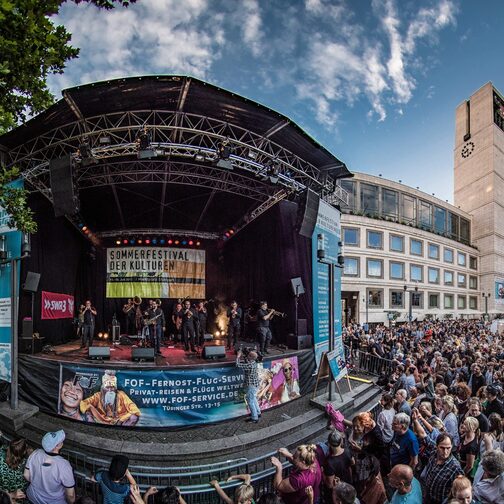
x=287, y=369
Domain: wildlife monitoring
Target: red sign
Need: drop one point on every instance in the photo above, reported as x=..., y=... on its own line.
x=57, y=306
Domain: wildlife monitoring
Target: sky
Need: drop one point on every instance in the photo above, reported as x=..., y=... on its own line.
x=376, y=82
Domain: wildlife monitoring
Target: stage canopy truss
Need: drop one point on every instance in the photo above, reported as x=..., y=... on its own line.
x=208, y=151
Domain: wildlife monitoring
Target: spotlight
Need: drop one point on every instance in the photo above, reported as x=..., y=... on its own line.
x=199, y=156
x=217, y=334
x=170, y=242
x=252, y=154
x=125, y=242
x=184, y=242
x=118, y=242
x=147, y=242
x=84, y=229
x=139, y=242
x=227, y=234
x=162, y=241
x=154, y=241
x=105, y=335
x=176, y=242
x=191, y=243
x=132, y=242
x=100, y=335
x=81, y=225
x=198, y=244
x=231, y=231
x=104, y=140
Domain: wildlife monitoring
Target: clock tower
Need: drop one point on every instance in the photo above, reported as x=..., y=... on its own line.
x=479, y=184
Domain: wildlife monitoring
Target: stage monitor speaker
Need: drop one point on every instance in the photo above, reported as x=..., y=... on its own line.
x=142, y=354
x=27, y=331
x=213, y=351
x=207, y=337
x=99, y=353
x=297, y=286
x=302, y=326
x=30, y=345
x=299, y=342
x=307, y=214
x=65, y=201
x=32, y=282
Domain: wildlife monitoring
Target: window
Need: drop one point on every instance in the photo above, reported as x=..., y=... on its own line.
x=396, y=243
x=408, y=208
x=461, y=302
x=396, y=270
x=425, y=214
x=351, y=237
x=416, y=273
x=416, y=247
x=374, y=268
x=417, y=299
x=433, y=251
x=440, y=220
x=369, y=198
x=390, y=203
x=375, y=239
x=351, y=266
x=461, y=280
x=448, y=255
x=453, y=225
x=433, y=300
x=349, y=187
x=434, y=275
x=461, y=259
x=448, y=277
x=464, y=230
x=473, y=262
x=448, y=301
x=397, y=299
x=375, y=298
x=473, y=303
x=473, y=282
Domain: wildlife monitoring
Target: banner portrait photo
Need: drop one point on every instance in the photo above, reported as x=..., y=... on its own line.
x=165, y=398
x=155, y=272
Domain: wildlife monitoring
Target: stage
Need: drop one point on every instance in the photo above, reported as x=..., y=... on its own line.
x=172, y=355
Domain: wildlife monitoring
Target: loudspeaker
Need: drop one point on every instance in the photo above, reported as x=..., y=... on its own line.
x=62, y=187
x=207, y=337
x=142, y=354
x=299, y=342
x=213, y=351
x=32, y=282
x=27, y=331
x=307, y=214
x=302, y=326
x=297, y=284
x=99, y=353
x=30, y=345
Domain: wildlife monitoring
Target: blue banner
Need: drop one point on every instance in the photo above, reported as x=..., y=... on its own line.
x=328, y=226
x=166, y=398
x=12, y=244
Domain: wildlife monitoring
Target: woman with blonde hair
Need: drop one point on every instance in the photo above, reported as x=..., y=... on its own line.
x=305, y=473
x=469, y=444
x=461, y=491
x=450, y=420
x=244, y=494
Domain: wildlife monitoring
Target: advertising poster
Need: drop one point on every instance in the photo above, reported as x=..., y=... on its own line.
x=164, y=398
x=499, y=291
x=12, y=244
x=155, y=272
x=328, y=225
x=56, y=306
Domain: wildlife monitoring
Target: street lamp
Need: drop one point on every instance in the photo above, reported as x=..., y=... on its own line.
x=485, y=297
x=410, y=316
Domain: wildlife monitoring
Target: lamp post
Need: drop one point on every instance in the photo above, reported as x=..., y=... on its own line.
x=410, y=313
x=366, y=303
x=485, y=297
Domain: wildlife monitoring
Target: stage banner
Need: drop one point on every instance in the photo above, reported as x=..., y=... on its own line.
x=164, y=398
x=328, y=225
x=12, y=244
x=57, y=306
x=155, y=272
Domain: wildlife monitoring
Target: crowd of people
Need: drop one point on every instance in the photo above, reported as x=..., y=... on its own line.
x=438, y=437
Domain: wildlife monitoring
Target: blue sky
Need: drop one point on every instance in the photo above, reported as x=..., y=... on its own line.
x=375, y=81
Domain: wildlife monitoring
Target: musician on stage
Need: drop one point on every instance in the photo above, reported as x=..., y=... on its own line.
x=263, y=326
x=88, y=326
x=157, y=325
x=139, y=320
x=188, y=327
x=177, y=320
x=234, y=314
x=129, y=316
x=201, y=320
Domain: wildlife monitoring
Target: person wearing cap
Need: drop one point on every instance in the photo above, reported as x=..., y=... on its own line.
x=494, y=405
x=50, y=475
x=112, y=484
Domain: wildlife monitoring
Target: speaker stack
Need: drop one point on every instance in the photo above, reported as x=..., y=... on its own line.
x=65, y=201
x=303, y=340
x=99, y=353
x=142, y=354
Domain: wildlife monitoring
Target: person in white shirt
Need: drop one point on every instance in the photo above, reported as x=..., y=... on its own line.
x=488, y=483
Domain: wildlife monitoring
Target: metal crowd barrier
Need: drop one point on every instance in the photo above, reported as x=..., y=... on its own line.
x=365, y=362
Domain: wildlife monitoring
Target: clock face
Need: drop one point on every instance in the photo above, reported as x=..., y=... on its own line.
x=467, y=150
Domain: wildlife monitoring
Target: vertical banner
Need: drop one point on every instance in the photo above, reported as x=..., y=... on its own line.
x=328, y=225
x=499, y=291
x=12, y=243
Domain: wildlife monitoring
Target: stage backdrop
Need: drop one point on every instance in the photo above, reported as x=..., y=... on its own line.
x=328, y=225
x=13, y=246
x=155, y=272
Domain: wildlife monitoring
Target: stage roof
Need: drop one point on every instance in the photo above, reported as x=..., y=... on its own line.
x=185, y=116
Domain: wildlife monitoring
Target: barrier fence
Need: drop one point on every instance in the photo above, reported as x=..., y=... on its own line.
x=368, y=363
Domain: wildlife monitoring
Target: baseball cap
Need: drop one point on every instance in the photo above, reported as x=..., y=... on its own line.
x=493, y=389
x=52, y=439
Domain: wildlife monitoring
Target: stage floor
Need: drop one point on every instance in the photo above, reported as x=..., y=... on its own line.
x=171, y=355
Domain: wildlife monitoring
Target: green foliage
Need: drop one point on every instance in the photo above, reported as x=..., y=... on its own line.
x=14, y=202
x=31, y=48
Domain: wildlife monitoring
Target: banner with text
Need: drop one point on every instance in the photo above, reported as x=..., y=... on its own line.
x=166, y=398
x=328, y=226
x=155, y=272
x=12, y=244
x=57, y=306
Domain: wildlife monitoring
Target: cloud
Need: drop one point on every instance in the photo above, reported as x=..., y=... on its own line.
x=250, y=18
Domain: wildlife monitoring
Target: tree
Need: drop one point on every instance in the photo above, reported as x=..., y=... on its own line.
x=31, y=48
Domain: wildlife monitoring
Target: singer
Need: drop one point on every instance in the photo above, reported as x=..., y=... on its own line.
x=88, y=313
